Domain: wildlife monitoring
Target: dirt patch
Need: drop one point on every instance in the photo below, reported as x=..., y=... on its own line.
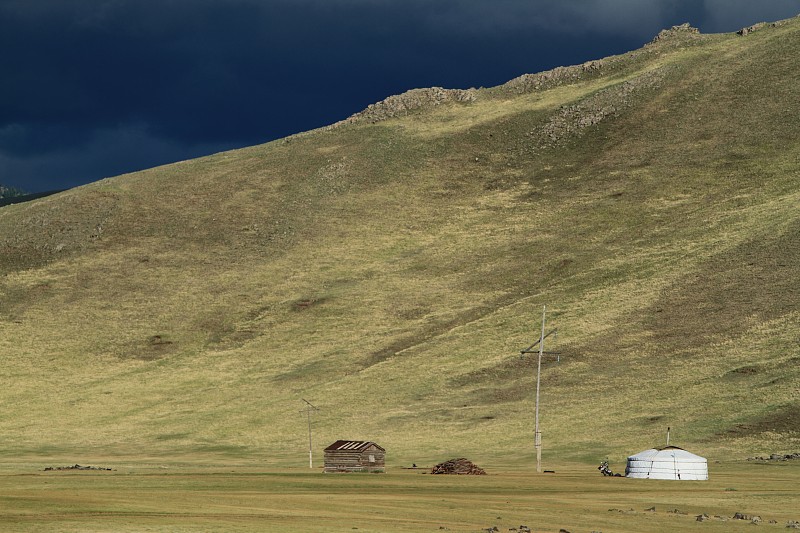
x=152, y=348
x=745, y=370
x=307, y=303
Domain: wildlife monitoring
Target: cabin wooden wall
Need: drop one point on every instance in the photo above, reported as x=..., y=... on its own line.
x=355, y=460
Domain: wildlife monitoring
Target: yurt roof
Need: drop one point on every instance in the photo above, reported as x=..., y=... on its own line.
x=670, y=451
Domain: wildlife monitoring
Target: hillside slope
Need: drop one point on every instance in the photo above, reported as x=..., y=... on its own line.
x=389, y=269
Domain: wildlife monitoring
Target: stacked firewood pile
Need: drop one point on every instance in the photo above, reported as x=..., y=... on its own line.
x=458, y=466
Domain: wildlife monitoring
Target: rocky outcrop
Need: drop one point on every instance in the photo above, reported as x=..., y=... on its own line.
x=553, y=78
x=760, y=26
x=571, y=120
x=421, y=99
x=413, y=100
x=676, y=32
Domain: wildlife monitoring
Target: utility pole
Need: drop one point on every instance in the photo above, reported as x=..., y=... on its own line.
x=308, y=409
x=537, y=433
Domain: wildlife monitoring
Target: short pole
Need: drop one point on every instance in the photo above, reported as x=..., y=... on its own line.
x=309, y=407
x=310, y=456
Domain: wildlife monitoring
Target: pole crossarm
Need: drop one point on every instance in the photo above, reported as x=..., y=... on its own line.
x=310, y=404
x=529, y=349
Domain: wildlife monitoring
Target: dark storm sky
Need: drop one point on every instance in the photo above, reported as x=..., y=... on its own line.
x=96, y=88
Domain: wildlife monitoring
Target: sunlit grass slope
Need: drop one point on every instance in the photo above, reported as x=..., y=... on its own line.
x=390, y=269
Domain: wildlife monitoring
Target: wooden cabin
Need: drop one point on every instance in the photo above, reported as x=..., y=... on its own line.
x=354, y=456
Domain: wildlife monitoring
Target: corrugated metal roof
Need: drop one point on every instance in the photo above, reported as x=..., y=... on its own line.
x=358, y=445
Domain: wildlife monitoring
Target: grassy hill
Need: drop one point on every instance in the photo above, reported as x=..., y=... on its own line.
x=389, y=269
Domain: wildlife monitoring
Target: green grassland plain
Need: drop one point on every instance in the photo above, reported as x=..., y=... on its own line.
x=390, y=270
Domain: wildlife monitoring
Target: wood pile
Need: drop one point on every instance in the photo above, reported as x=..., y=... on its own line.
x=459, y=467
x=74, y=467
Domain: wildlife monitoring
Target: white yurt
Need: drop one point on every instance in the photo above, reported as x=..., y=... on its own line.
x=667, y=463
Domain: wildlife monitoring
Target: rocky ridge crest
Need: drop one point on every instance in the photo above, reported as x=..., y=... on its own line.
x=409, y=101
x=679, y=31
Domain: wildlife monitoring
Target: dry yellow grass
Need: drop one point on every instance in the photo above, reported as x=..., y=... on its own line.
x=235, y=497
x=391, y=272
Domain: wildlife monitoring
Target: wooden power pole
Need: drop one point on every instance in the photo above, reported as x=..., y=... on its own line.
x=308, y=410
x=537, y=433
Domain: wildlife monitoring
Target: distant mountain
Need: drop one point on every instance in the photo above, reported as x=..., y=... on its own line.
x=390, y=268
x=9, y=192
x=10, y=196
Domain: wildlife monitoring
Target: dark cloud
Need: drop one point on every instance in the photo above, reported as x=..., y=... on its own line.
x=94, y=88
x=731, y=15
x=113, y=151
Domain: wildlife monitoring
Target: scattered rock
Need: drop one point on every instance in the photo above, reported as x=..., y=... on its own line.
x=571, y=121
x=751, y=29
x=776, y=457
x=759, y=26
x=703, y=517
